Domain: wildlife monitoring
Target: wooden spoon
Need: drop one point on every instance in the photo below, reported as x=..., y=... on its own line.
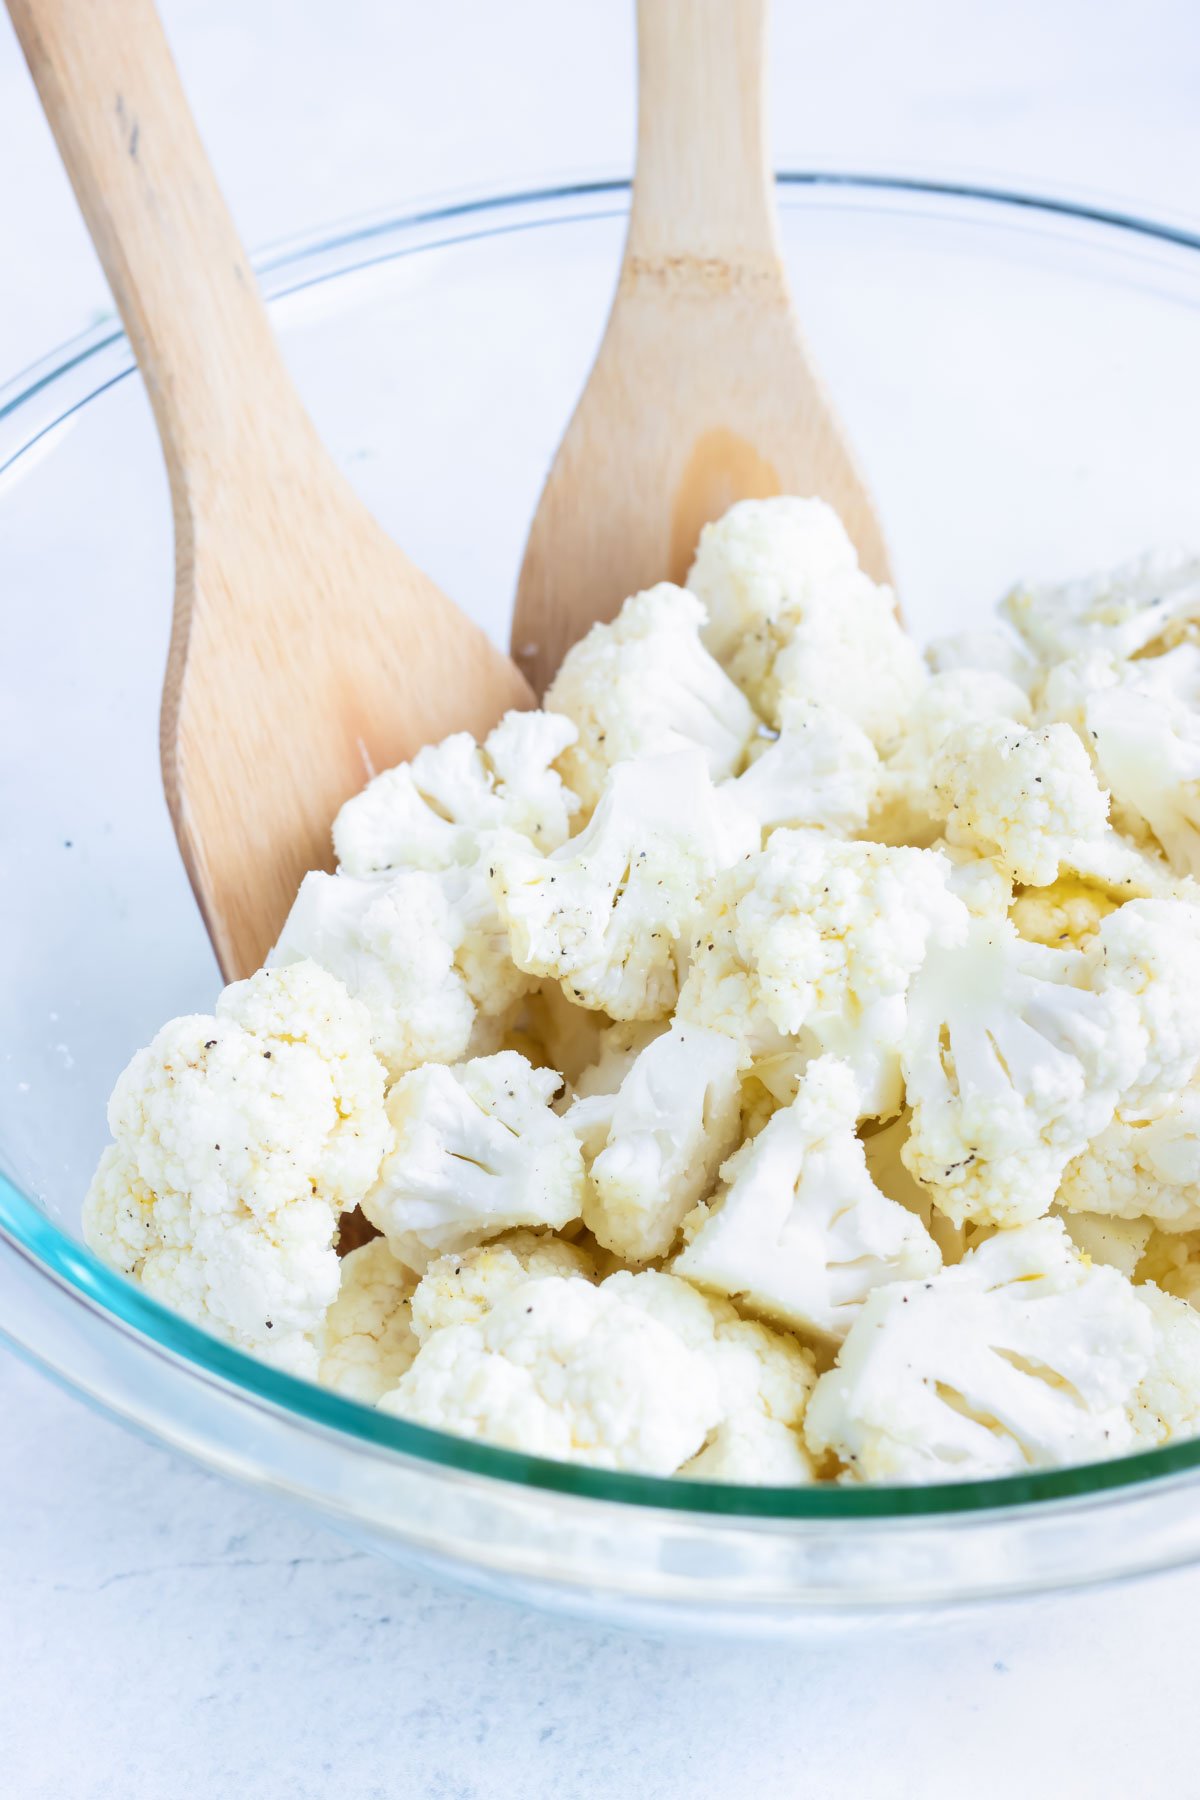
x=307, y=651
x=702, y=392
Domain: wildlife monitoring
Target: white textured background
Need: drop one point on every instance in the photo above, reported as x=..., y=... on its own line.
x=162, y=1635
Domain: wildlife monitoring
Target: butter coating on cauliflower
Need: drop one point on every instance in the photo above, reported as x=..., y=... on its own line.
x=800, y=1231
x=476, y=1150
x=646, y=685
x=240, y=1137
x=609, y=913
x=1022, y=1356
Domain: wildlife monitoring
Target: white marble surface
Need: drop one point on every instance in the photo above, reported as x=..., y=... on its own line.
x=162, y=1634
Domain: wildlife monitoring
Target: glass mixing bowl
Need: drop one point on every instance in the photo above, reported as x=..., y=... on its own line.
x=1022, y=379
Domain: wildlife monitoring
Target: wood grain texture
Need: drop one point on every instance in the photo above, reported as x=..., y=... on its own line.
x=307, y=650
x=703, y=391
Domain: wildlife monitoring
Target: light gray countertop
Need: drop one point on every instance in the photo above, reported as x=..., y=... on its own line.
x=163, y=1634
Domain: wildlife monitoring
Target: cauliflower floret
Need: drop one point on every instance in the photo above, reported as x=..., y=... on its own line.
x=369, y=1338
x=764, y=1378
x=1022, y=797
x=821, y=770
x=459, y=1288
x=476, y=1150
x=673, y=1120
x=425, y=952
x=800, y=1231
x=978, y=881
x=821, y=936
x=1021, y=1356
x=987, y=648
x=1068, y=912
x=645, y=685
x=240, y=1138
x=1150, y=950
x=1118, y=1243
x=608, y=914
x=1154, y=600
x=1135, y=1169
x=1147, y=748
x=560, y=1368
x=884, y=1152
x=427, y=814
x=909, y=808
x=1012, y=1065
x=1167, y=1403
x=791, y=614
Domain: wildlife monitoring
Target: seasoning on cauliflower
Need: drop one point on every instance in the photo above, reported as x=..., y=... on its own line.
x=822, y=937
x=1012, y=1064
x=428, y=813
x=476, y=1150
x=800, y=1231
x=1021, y=1356
x=369, y=1340
x=608, y=914
x=1022, y=797
x=460, y=1287
x=560, y=1368
x=662, y=1136
x=240, y=1138
x=1152, y=601
x=820, y=770
x=645, y=685
x=910, y=808
x=1068, y=912
x=425, y=952
x=791, y=615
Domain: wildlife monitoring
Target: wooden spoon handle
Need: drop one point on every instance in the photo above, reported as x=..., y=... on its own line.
x=177, y=270
x=703, y=188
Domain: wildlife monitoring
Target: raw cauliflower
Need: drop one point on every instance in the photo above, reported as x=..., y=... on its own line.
x=819, y=770
x=1151, y=602
x=476, y=1150
x=1147, y=749
x=369, y=1340
x=800, y=1231
x=792, y=616
x=460, y=1287
x=239, y=1139
x=1022, y=1356
x=910, y=807
x=1012, y=1064
x=660, y=1139
x=608, y=914
x=1142, y=1169
x=988, y=649
x=1023, y=797
x=645, y=685
x=424, y=951
x=559, y=1368
x=821, y=937
x=428, y=813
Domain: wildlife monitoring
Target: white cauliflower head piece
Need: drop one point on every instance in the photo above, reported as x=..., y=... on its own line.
x=239, y=1139
x=1141, y=1169
x=909, y=807
x=792, y=615
x=608, y=914
x=1012, y=1065
x=369, y=1340
x=820, y=936
x=1025, y=798
x=1154, y=600
x=800, y=1230
x=557, y=1367
x=674, y=1118
x=460, y=1287
x=428, y=813
x=1147, y=748
x=1021, y=1356
x=820, y=770
x=476, y=1150
x=645, y=685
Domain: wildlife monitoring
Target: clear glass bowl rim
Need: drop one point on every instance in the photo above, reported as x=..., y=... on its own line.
x=50, y=1253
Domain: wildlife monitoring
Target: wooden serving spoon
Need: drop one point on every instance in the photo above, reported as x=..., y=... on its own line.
x=702, y=392
x=307, y=650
